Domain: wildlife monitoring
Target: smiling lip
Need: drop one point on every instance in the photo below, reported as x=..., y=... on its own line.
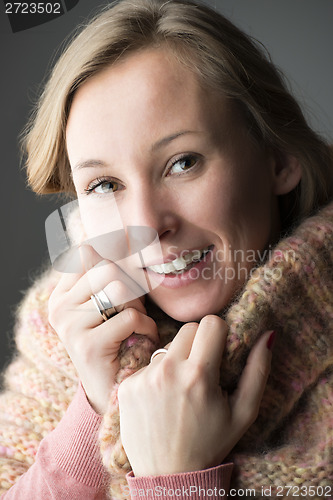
x=174, y=280
x=175, y=255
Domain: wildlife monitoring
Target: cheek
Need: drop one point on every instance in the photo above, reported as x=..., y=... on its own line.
x=213, y=205
x=236, y=208
x=250, y=211
x=100, y=216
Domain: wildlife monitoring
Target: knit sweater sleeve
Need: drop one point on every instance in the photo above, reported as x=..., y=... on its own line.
x=213, y=483
x=68, y=463
x=48, y=429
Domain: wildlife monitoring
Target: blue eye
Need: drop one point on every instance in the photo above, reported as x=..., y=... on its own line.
x=102, y=186
x=181, y=165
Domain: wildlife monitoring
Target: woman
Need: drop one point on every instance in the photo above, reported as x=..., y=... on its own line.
x=163, y=115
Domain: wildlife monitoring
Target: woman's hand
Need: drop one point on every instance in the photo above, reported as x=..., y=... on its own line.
x=174, y=417
x=91, y=343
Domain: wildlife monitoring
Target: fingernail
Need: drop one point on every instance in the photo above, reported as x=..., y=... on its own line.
x=270, y=341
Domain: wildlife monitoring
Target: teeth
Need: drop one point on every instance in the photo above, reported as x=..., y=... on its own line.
x=168, y=268
x=188, y=258
x=180, y=263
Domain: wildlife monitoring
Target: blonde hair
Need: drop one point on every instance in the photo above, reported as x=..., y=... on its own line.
x=222, y=56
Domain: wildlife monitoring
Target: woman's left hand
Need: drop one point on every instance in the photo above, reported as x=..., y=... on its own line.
x=174, y=416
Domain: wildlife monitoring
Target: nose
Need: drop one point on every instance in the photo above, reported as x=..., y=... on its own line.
x=154, y=208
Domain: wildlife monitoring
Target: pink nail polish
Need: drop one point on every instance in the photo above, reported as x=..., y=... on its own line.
x=270, y=341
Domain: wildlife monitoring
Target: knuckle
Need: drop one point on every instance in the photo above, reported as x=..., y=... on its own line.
x=151, y=326
x=100, y=274
x=164, y=376
x=196, y=377
x=119, y=292
x=166, y=370
x=130, y=316
x=87, y=254
x=119, y=288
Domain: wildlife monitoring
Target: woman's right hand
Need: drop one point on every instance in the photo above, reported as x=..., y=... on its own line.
x=92, y=343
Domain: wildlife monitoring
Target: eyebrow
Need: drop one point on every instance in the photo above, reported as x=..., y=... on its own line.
x=91, y=163
x=166, y=140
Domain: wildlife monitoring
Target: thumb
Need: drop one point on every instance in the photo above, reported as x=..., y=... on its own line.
x=246, y=399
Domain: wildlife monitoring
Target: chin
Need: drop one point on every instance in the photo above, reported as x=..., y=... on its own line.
x=188, y=311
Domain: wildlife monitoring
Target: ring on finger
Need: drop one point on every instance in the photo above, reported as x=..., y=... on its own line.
x=159, y=351
x=103, y=305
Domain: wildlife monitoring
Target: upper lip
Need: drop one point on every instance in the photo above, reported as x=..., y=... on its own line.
x=175, y=255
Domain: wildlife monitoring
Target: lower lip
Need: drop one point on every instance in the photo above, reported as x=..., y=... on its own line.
x=184, y=279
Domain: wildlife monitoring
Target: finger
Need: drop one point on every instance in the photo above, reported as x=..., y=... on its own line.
x=119, y=294
x=122, y=325
x=87, y=258
x=208, y=344
x=181, y=345
x=92, y=317
x=99, y=277
x=159, y=353
x=245, y=401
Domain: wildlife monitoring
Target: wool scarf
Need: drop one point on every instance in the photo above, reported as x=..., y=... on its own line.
x=289, y=447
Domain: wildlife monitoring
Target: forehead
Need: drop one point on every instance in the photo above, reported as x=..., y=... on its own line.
x=147, y=94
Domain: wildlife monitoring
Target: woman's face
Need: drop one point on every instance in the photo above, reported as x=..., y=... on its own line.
x=149, y=147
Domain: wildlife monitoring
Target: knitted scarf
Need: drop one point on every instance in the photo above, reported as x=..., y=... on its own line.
x=290, y=444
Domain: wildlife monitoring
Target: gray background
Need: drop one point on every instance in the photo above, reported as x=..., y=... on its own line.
x=297, y=33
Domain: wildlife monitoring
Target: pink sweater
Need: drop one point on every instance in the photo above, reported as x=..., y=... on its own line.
x=68, y=466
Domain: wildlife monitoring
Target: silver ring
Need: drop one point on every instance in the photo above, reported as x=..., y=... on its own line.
x=103, y=305
x=159, y=351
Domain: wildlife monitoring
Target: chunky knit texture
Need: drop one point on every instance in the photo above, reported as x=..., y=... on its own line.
x=290, y=444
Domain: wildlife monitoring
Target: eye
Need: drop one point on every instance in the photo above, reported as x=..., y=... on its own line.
x=102, y=186
x=182, y=164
